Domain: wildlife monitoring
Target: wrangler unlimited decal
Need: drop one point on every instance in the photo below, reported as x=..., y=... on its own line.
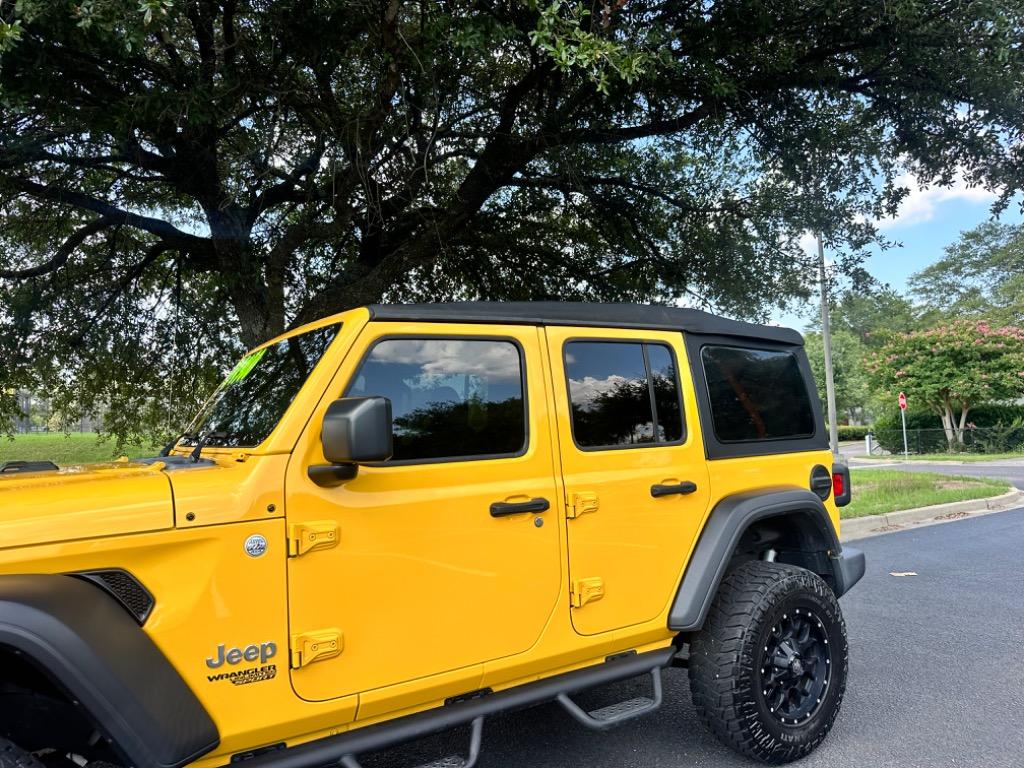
x=246, y=676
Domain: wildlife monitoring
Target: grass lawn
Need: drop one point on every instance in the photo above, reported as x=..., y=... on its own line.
x=877, y=491
x=76, y=448
x=967, y=458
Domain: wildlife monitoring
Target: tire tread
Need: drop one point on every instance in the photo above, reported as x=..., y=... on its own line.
x=722, y=658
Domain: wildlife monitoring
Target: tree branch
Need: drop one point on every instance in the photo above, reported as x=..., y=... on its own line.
x=60, y=258
x=116, y=215
x=152, y=253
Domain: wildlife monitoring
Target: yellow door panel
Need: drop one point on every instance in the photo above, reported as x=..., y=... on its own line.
x=627, y=545
x=423, y=579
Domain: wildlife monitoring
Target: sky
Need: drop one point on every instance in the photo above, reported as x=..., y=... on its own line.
x=927, y=222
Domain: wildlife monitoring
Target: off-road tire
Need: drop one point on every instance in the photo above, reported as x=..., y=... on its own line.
x=727, y=660
x=11, y=756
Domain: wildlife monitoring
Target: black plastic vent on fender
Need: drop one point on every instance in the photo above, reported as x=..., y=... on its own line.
x=124, y=588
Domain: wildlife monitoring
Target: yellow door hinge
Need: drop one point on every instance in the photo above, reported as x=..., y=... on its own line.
x=315, y=646
x=580, y=504
x=586, y=591
x=305, y=537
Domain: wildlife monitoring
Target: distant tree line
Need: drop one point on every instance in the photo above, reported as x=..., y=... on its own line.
x=954, y=342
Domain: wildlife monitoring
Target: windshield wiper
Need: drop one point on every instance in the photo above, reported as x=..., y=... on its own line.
x=204, y=441
x=166, y=451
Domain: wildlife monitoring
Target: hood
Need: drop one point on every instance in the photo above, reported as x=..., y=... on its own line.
x=84, y=502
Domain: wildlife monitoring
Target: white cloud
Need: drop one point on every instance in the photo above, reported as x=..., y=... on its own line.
x=452, y=357
x=922, y=204
x=588, y=389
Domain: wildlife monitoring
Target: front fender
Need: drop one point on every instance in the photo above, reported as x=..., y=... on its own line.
x=91, y=648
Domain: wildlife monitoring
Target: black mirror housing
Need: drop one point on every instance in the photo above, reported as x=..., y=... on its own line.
x=357, y=430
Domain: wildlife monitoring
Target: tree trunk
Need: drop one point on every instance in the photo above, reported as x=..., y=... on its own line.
x=964, y=410
x=255, y=291
x=260, y=310
x=949, y=425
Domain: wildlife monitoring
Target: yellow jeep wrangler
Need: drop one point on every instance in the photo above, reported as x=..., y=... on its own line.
x=407, y=518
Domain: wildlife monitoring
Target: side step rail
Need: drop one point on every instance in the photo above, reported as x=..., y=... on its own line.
x=455, y=761
x=373, y=738
x=608, y=717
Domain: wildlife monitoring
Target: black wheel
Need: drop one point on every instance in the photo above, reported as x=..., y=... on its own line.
x=13, y=757
x=768, y=670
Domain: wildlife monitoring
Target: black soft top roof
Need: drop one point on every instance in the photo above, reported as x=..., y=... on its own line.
x=638, y=316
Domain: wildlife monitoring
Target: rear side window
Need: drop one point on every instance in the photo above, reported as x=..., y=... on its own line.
x=756, y=394
x=623, y=394
x=450, y=398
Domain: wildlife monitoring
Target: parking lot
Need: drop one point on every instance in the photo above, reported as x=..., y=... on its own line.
x=936, y=673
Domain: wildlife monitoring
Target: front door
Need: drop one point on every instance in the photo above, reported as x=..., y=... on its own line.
x=636, y=481
x=448, y=555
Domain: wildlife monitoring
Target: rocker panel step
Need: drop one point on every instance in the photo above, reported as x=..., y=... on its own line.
x=452, y=761
x=624, y=711
x=332, y=749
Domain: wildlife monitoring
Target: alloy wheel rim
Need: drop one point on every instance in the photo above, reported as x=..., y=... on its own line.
x=795, y=667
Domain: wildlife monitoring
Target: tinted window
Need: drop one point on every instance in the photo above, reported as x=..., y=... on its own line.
x=610, y=392
x=667, y=405
x=247, y=406
x=450, y=398
x=756, y=394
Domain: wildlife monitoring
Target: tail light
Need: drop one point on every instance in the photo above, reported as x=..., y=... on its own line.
x=841, y=490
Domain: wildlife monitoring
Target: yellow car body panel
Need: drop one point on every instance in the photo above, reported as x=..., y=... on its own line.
x=763, y=473
x=83, y=503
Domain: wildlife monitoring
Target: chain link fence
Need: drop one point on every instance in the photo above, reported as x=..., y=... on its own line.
x=38, y=415
x=975, y=440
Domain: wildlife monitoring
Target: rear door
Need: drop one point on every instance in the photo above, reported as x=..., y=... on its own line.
x=633, y=464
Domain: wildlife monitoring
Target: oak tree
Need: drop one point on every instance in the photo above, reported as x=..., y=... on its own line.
x=179, y=178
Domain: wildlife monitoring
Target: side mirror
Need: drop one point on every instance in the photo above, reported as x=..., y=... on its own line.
x=356, y=430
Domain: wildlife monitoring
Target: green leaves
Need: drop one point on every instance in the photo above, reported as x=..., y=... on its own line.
x=249, y=165
x=151, y=8
x=981, y=275
x=572, y=39
x=953, y=368
x=10, y=33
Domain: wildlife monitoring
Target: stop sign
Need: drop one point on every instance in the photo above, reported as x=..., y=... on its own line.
x=903, y=401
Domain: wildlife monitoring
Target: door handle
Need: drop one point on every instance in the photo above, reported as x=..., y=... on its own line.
x=682, y=489
x=505, y=508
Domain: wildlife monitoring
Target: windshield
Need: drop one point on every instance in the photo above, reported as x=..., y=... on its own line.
x=252, y=399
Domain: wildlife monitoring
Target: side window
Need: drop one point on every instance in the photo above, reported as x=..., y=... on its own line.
x=450, y=398
x=623, y=394
x=756, y=394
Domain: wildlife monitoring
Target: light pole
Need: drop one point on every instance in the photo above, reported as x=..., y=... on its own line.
x=826, y=338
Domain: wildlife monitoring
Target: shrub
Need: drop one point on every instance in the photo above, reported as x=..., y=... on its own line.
x=993, y=429
x=853, y=433
x=924, y=431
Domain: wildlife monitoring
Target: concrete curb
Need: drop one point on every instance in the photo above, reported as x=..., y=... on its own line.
x=873, y=525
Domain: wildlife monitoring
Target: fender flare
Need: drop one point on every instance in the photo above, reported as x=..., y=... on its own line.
x=727, y=523
x=93, y=650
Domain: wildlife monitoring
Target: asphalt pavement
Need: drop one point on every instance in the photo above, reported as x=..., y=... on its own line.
x=936, y=673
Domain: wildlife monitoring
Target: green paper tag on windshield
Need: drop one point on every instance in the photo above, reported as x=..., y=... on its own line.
x=245, y=366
